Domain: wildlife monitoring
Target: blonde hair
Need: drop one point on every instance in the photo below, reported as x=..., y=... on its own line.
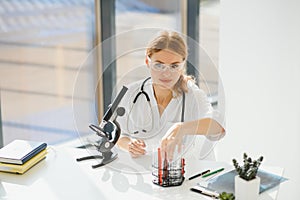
x=172, y=41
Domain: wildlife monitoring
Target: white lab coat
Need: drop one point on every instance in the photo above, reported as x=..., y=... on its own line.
x=140, y=116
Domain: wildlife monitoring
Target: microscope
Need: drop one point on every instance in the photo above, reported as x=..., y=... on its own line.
x=109, y=132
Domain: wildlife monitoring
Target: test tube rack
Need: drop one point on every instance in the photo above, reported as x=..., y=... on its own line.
x=167, y=173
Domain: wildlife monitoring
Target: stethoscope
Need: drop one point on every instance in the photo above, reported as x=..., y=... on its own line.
x=142, y=92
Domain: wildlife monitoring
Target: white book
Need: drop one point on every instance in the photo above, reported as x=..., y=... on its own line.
x=20, y=151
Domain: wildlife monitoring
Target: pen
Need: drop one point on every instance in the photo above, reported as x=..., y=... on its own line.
x=205, y=192
x=200, y=174
x=211, y=173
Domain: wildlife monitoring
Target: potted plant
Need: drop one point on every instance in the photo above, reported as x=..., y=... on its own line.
x=226, y=196
x=246, y=183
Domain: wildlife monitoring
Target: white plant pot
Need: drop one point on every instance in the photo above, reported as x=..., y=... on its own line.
x=246, y=190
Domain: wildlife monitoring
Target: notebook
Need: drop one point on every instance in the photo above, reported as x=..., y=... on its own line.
x=20, y=169
x=20, y=151
x=225, y=182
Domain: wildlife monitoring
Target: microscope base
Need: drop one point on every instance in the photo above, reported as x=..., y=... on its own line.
x=106, y=158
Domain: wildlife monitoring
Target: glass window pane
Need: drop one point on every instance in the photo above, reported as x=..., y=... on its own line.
x=209, y=40
x=137, y=21
x=42, y=46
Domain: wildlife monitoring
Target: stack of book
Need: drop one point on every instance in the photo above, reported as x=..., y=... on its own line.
x=20, y=155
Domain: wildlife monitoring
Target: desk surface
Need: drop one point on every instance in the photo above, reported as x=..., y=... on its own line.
x=59, y=176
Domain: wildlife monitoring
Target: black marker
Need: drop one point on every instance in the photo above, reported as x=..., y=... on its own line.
x=197, y=175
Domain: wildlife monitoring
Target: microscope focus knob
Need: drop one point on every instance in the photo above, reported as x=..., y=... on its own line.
x=120, y=111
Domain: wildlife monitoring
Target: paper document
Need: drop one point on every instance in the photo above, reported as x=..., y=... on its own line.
x=225, y=182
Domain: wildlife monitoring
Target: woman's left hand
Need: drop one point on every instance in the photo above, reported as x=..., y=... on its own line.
x=172, y=138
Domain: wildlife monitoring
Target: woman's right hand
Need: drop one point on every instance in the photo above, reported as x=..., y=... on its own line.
x=136, y=148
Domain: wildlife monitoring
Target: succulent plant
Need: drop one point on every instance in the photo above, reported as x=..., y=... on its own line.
x=249, y=170
x=226, y=196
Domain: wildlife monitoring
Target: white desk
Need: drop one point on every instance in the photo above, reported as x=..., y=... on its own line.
x=61, y=177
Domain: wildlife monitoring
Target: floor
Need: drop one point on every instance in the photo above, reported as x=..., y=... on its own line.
x=47, y=90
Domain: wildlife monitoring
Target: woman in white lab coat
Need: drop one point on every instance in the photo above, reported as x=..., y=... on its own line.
x=162, y=109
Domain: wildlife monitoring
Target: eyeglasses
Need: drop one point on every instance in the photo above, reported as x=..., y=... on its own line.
x=158, y=66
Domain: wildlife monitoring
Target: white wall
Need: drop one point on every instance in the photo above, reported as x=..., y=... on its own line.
x=260, y=70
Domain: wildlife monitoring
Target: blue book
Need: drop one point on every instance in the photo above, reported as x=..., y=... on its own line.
x=20, y=151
